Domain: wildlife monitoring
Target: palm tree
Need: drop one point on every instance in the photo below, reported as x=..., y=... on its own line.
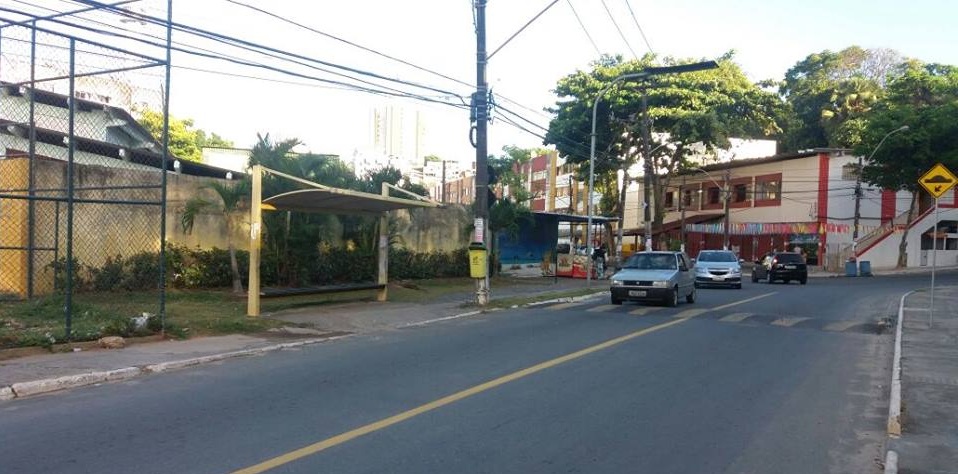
x=231, y=197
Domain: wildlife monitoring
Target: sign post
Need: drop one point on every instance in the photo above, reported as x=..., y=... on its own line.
x=937, y=181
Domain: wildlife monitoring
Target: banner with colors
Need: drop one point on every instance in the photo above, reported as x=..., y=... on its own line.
x=756, y=228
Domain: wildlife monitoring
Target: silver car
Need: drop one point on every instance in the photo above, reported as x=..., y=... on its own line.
x=718, y=268
x=654, y=276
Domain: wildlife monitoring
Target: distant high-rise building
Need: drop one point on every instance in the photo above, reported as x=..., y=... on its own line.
x=398, y=133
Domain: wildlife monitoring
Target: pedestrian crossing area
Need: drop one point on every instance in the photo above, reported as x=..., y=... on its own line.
x=729, y=315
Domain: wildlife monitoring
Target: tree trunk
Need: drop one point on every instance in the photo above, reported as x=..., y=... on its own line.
x=903, y=245
x=234, y=266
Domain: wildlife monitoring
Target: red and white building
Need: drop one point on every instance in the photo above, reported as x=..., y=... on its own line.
x=804, y=199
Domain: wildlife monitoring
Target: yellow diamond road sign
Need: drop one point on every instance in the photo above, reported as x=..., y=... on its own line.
x=938, y=180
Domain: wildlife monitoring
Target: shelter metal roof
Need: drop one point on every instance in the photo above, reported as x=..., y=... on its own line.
x=576, y=218
x=339, y=201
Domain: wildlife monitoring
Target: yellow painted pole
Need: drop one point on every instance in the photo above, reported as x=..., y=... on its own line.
x=255, y=235
x=383, y=245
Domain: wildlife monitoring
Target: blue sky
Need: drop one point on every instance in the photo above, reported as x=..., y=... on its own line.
x=768, y=37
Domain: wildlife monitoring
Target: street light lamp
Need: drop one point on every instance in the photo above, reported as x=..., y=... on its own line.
x=647, y=72
x=858, y=183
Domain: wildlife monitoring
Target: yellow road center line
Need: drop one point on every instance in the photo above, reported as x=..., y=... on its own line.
x=747, y=300
x=689, y=313
x=387, y=422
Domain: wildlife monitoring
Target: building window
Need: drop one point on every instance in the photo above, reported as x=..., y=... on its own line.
x=714, y=195
x=740, y=193
x=768, y=190
x=670, y=200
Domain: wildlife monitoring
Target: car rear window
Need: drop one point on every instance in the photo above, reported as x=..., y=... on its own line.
x=789, y=258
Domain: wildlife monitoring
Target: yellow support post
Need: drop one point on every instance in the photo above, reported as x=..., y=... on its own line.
x=255, y=238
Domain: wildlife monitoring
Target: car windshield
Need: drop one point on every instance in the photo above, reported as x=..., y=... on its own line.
x=717, y=257
x=789, y=258
x=651, y=261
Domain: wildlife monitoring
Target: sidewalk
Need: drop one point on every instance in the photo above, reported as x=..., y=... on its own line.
x=35, y=374
x=929, y=384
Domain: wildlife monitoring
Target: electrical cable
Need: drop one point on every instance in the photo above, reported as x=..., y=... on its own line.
x=637, y=25
x=584, y=29
x=604, y=5
x=256, y=47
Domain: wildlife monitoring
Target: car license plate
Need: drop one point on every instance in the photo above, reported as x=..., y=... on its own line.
x=718, y=277
x=790, y=267
x=636, y=292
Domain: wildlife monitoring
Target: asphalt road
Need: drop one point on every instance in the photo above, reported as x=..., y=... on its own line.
x=770, y=378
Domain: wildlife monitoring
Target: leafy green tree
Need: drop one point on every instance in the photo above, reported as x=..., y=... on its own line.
x=230, y=205
x=830, y=92
x=924, y=97
x=697, y=109
x=186, y=142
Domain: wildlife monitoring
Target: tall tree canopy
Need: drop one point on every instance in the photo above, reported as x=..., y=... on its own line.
x=186, y=142
x=925, y=98
x=693, y=110
x=830, y=92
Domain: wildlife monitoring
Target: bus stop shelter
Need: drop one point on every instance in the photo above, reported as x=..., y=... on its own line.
x=318, y=198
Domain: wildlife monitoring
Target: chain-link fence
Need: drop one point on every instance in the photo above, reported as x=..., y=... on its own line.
x=82, y=200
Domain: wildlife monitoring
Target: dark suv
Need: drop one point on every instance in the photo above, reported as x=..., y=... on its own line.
x=785, y=266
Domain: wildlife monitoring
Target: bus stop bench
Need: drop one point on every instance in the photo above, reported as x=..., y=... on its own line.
x=318, y=290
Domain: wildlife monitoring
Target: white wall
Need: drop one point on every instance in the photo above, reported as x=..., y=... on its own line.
x=884, y=255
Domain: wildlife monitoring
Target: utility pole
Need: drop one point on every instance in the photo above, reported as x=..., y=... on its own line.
x=443, y=193
x=480, y=102
x=858, y=201
x=728, y=197
x=682, y=208
x=647, y=179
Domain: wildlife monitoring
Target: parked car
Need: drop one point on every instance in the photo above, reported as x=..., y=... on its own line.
x=785, y=266
x=718, y=268
x=654, y=276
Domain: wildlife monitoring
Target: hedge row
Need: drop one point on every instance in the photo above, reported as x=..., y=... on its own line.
x=194, y=268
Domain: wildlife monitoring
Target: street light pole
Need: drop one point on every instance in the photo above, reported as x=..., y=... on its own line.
x=726, y=191
x=647, y=72
x=858, y=183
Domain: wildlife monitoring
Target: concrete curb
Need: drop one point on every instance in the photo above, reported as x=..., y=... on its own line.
x=569, y=299
x=36, y=387
x=891, y=462
x=894, y=399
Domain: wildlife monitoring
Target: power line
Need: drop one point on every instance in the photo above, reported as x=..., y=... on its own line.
x=584, y=29
x=384, y=90
x=637, y=25
x=604, y=5
x=493, y=53
x=345, y=41
x=259, y=48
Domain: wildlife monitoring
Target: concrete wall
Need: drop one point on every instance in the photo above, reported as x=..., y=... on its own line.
x=884, y=254
x=102, y=230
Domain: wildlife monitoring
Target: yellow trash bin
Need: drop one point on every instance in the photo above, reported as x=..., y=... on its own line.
x=477, y=260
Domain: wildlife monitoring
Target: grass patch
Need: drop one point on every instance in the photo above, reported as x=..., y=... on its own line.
x=41, y=321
